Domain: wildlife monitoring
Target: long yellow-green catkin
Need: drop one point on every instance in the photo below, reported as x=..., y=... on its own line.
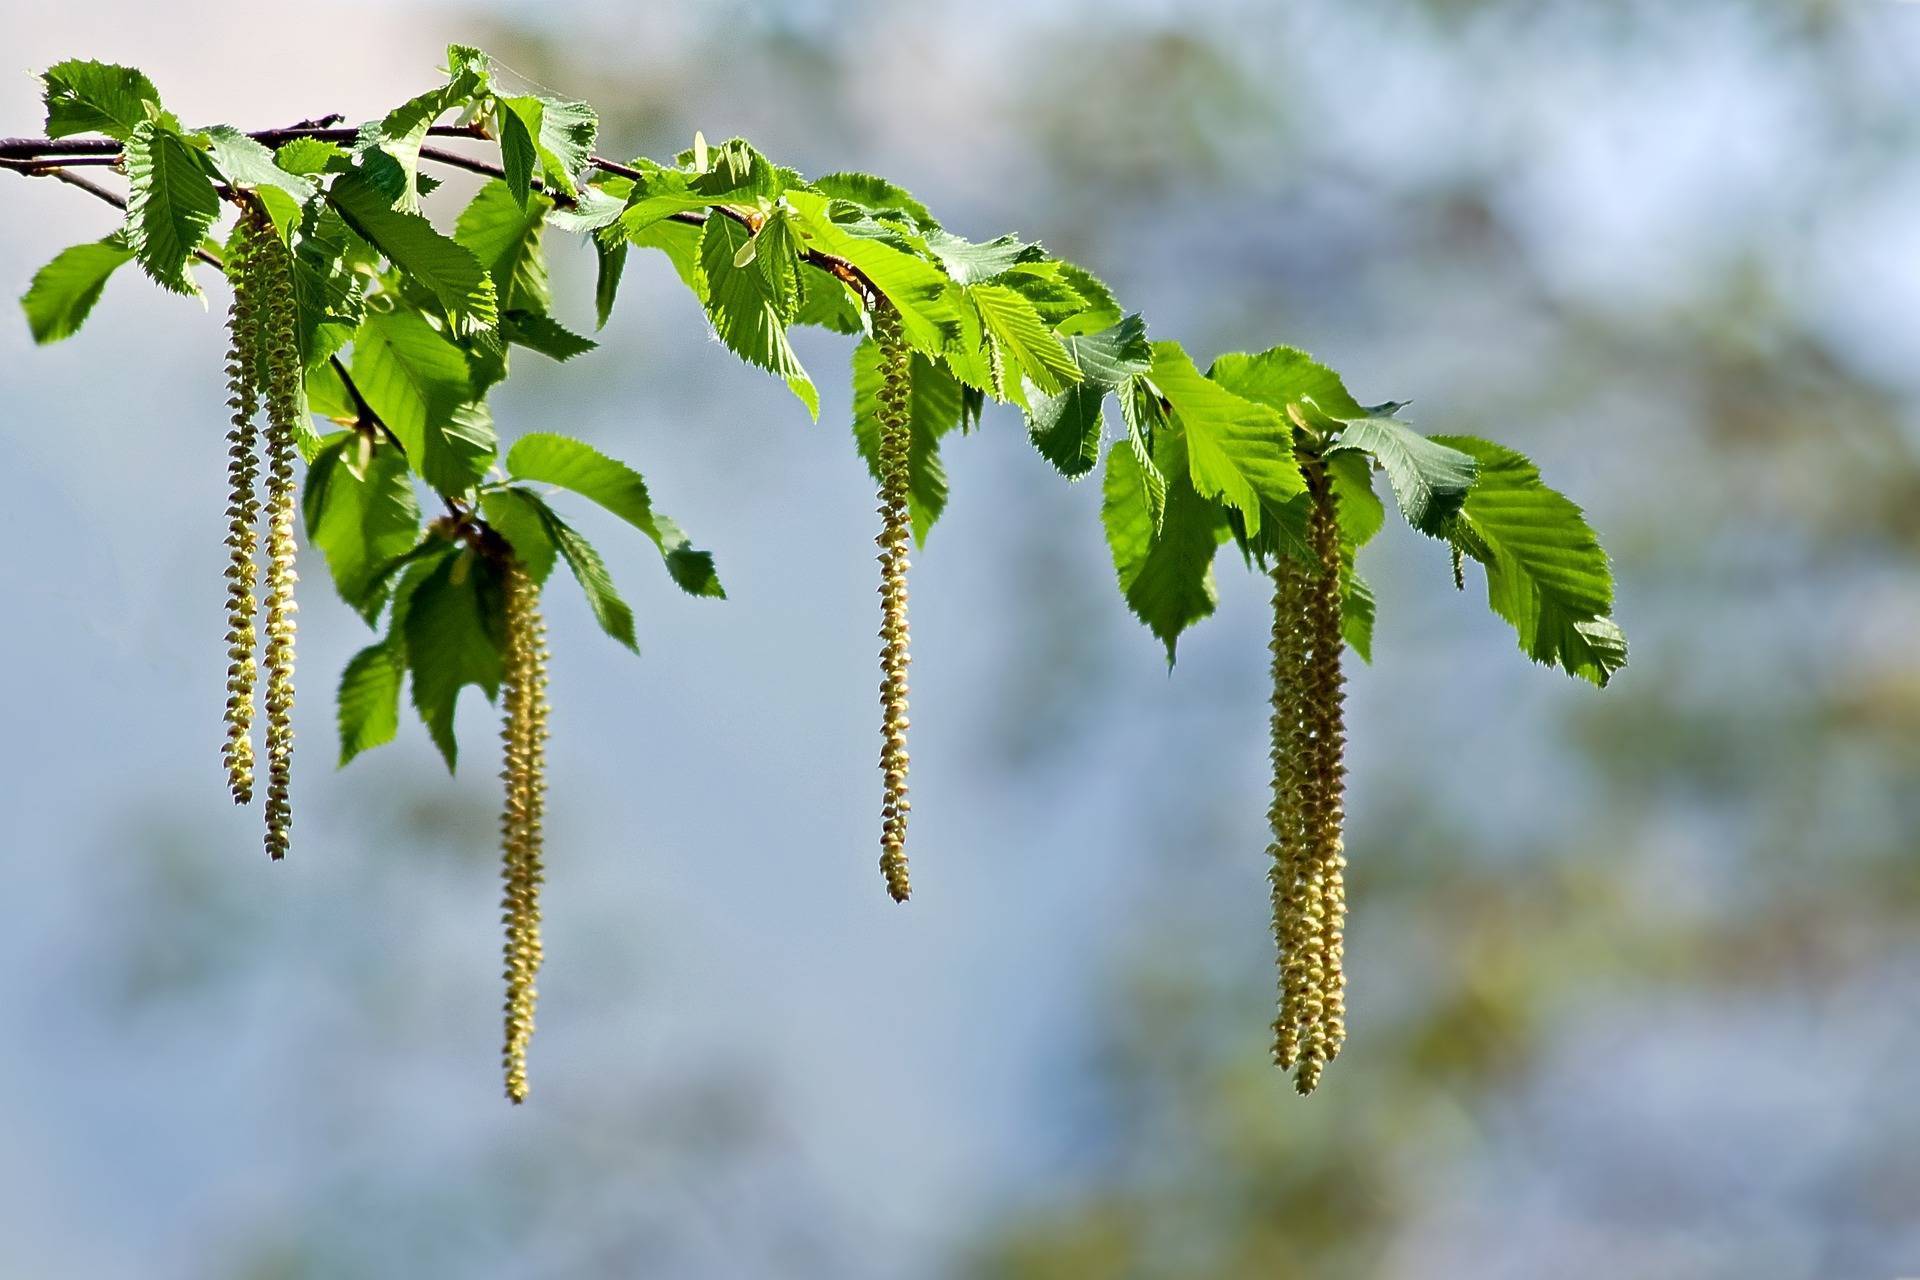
x=1323, y=808
x=1288, y=647
x=243, y=511
x=524, y=737
x=1309, y=742
x=283, y=377
x=896, y=530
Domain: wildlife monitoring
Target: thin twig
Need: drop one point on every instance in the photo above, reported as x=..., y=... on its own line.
x=40, y=156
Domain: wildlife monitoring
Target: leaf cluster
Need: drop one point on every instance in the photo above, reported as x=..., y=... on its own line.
x=405, y=329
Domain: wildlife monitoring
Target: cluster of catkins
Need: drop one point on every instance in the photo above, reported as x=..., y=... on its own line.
x=263, y=365
x=524, y=701
x=896, y=531
x=1309, y=896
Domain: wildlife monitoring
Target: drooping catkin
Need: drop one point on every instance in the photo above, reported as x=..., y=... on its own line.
x=1289, y=649
x=1309, y=797
x=243, y=509
x=524, y=737
x=283, y=372
x=896, y=530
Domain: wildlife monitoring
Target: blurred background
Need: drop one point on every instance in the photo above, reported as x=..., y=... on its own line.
x=1632, y=972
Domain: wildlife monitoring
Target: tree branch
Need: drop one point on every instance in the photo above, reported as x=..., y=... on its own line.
x=46, y=157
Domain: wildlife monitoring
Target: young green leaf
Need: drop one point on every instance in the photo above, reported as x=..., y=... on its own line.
x=1356, y=612
x=452, y=637
x=447, y=268
x=1023, y=344
x=542, y=333
x=63, y=292
x=359, y=521
x=504, y=234
x=420, y=385
x=369, y=699
x=246, y=163
x=100, y=97
x=1238, y=450
x=518, y=516
x=1430, y=481
x=1165, y=575
x=611, y=263
x=1546, y=573
x=170, y=204
x=1067, y=428
x=920, y=291
x=970, y=263
x=1285, y=378
x=590, y=571
x=933, y=410
x=580, y=468
x=518, y=122
x=874, y=194
x=745, y=303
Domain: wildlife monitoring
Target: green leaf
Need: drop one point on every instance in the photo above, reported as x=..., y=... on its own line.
x=452, y=629
x=1101, y=312
x=924, y=296
x=1140, y=409
x=933, y=409
x=359, y=519
x=1359, y=508
x=420, y=385
x=872, y=193
x=826, y=302
x=63, y=292
x=743, y=303
x=446, y=267
x=1166, y=576
x=518, y=122
x=590, y=571
x=740, y=175
x=565, y=140
x=1022, y=341
x=1285, y=379
x=1430, y=481
x=1067, y=428
x=1546, y=573
x=1239, y=451
x=170, y=204
x=516, y=515
x=580, y=468
x=661, y=194
x=1356, y=613
x=310, y=156
x=970, y=263
x=544, y=334
x=612, y=263
x=369, y=699
x=246, y=163
x=100, y=97
x=505, y=236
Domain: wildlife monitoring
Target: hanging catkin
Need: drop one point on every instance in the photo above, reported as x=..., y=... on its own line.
x=524, y=737
x=1309, y=743
x=243, y=508
x=283, y=372
x=1289, y=648
x=896, y=530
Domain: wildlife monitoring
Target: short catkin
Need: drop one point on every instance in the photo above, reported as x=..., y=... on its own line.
x=283, y=372
x=896, y=532
x=524, y=738
x=1309, y=741
x=243, y=508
